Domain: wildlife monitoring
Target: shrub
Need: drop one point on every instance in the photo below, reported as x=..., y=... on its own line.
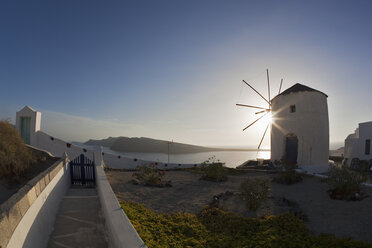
x=287, y=174
x=255, y=191
x=363, y=166
x=344, y=183
x=165, y=230
x=213, y=170
x=15, y=156
x=149, y=175
x=217, y=228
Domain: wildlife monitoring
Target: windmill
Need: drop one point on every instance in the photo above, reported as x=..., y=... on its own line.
x=263, y=111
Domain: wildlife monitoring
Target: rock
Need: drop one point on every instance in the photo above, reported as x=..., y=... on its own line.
x=229, y=193
x=135, y=181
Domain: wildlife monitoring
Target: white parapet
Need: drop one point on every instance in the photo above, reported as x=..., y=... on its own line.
x=40, y=202
x=121, y=231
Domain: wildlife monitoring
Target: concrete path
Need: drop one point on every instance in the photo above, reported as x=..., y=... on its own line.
x=79, y=221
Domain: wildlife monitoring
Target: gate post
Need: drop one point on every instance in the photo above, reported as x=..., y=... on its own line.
x=82, y=169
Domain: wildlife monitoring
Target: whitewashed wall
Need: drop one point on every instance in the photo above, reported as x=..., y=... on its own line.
x=355, y=143
x=121, y=232
x=37, y=223
x=57, y=147
x=365, y=132
x=351, y=147
x=309, y=123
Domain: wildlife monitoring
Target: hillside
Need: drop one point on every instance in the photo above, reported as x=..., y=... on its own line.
x=125, y=144
x=338, y=152
x=103, y=142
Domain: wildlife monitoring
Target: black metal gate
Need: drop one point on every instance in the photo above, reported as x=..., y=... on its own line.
x=82, y=171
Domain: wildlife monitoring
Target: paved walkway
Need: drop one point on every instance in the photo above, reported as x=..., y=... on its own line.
x=79, y=221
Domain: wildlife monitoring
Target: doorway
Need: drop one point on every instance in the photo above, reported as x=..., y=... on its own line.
x=291, y=148
x=26, y=129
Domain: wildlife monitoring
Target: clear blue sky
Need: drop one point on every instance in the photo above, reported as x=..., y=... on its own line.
x=173, y=69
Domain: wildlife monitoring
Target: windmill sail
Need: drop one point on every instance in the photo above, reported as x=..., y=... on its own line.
x=256, y=92
x=263, y=110
x=255, y=121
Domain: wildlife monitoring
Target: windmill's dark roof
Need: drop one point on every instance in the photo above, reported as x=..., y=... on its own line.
x=298, y=88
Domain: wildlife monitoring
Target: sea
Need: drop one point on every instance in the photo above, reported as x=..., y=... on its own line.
x=231, y=158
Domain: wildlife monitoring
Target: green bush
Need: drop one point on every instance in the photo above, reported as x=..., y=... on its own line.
x=15, y=156
x=344, y=182
x=217, y=228
x=255, y=191
x=287, y=174
x=149, y=175
x=213, y=170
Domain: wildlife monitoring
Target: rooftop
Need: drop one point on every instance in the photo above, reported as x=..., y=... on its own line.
x=299, y=88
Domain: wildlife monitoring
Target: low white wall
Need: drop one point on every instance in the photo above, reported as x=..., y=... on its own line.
x=37, y=223
x=121, y=232
x=57, y=147
x=120, y=162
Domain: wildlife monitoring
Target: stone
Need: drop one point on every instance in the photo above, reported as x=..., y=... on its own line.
x=135, y=181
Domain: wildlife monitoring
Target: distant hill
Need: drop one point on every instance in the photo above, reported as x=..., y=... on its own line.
x=103, y=142
x=125, y=144
x=338, y=152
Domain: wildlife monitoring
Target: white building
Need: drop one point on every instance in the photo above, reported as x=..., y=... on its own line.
x=28, y=124
x=300, y=128
x=358, y=144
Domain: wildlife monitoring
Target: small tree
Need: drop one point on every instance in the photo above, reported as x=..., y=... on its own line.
x=255, y=191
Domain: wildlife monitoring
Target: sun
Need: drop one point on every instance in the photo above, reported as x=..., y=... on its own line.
x=269, y=118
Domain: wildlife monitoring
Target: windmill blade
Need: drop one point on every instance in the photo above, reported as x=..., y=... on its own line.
x=268, y=85
x=260, y=112
x=250, y=106
x=263, y=136
x=255, y=121
x=256, y=92
x=281, y=82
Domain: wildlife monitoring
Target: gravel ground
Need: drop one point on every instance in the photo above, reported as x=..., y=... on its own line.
x=190, y=194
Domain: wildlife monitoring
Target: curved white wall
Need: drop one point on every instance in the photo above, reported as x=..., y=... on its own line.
x=309, y=123
x=121, y=231
x=58, y=147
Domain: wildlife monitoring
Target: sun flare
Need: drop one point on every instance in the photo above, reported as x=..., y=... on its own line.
x=268, y=119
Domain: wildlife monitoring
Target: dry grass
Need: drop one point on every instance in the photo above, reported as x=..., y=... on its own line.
x=15, y=157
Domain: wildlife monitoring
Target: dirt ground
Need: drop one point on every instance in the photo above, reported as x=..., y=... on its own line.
x=190, y=194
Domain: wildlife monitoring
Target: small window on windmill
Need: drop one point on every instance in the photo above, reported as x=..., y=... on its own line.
x=292, y=108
